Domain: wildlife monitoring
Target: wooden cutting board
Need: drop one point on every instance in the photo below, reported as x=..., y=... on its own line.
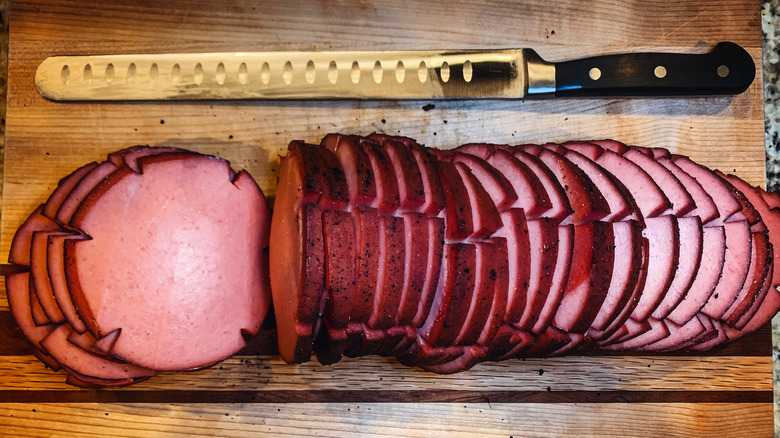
x=727, y=393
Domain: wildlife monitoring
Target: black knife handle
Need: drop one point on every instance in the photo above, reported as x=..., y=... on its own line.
x=726, y=69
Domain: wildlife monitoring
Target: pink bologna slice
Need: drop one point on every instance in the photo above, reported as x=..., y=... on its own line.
x=175, y=259
x=83, y=362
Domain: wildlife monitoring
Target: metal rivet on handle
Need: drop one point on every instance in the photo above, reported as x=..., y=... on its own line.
x=378, y=72
x=422, y=72
x=333, y=72
x=87, y=75
x=355, y=73
x=468, y=71
x=65, y=74
x=660, y=72
x=594, y=73
x=310, y=72
x=400, y=72
x=220, y=74
x=243, y=73
x=287, y=73
x=723, y=71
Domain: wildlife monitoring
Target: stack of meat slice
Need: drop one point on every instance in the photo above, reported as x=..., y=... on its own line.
x=154, y=260
x=485, y=252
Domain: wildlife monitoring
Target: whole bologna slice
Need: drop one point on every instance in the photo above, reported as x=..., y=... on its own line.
x=203, y=236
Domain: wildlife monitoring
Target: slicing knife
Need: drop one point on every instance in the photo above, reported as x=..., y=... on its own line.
x=468, y=74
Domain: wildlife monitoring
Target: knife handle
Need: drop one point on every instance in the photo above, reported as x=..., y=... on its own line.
x=726, y=69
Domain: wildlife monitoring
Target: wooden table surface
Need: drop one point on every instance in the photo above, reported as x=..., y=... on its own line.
x=726, y=393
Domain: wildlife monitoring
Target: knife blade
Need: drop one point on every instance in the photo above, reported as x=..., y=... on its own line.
x=466, y=74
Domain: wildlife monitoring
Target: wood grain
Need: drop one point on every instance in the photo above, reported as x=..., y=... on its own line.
x=726, y=393
x=387, y=419
x=267, y=374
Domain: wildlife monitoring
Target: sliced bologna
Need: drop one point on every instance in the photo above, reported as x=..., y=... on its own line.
x=340, y=281
x=39, y=276
x=586, y=199
x=366, y=280
x=458, y=218
x=498, y=187
x=728, y=205
x=82, y=188
x=417, y=247
x=628, y=244
x=548, y=300
x=520, y=259
x=736, y=265
x=705, y=206
x=767, y=303
x=388, y=200
x=616, y=327
x=589, y=277
x=560, y=208
x=663, y=237
x=219, y=230
x=681, y=201
x=484, y=214
x=490, y=280
x=434, y=195
x=18, y=291
x=410, y=185
x=83, y=362
x=453, y=296
x=55, y=268
x=64, y=187
x=690, y=256
x=531, y=195
x=621, y=203
x=707, y=277
x=649, y=197
x=358, y=173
